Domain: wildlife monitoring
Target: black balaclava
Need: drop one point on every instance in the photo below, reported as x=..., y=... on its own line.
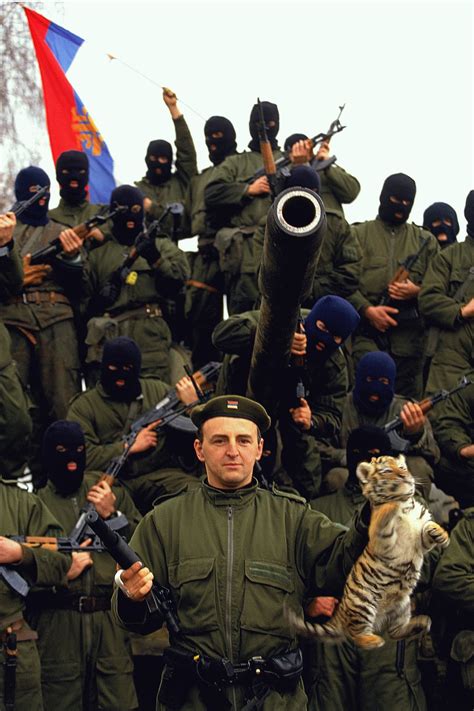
x=128, y=196
x=364, y=443
x=37, y=214
x=270, y=113
x=294, y=138
x=159, y=149
x=402, y=187
x=66, y=468
x=73, y=166
x=124, y=354
x=304, y=176
x=339, y=317
x=441, y=211
x=371, y=396
x=469, y=213
x=224, y=146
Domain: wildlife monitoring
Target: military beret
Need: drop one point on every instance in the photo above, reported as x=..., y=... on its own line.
x=232, y=406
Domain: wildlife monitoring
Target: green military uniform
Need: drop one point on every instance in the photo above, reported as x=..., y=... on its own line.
x=204, y=290
x=453, y=428
x=174, y=189
x=337, y=187
x=346, y=677
x=327, y=385
x=90, y=666
x=340, y=258
x=422, y=454
x=15, y=421
x=74, y=215
x=239, y=215
x=137, y=312
x=255, y=551
x=447, y=286
x=384, y=246
x=40, y=322
x=25, y=514
x=104, y=421
x=453, y=583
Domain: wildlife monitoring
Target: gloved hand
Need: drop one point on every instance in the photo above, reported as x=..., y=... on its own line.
x=149, y=251
x=110, y=292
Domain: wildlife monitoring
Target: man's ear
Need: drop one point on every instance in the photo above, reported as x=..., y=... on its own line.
x=198, y=450
x=260, y=449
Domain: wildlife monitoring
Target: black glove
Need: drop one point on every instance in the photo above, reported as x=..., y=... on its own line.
x=149, y=251
x=110, y=292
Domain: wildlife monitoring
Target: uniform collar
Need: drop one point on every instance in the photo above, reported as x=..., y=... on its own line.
x=239, y=497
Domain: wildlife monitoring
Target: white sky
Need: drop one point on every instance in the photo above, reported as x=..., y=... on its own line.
x=404, y=70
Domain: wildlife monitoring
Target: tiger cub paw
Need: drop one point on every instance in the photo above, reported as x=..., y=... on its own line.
x=438, y=535
x=368, y=641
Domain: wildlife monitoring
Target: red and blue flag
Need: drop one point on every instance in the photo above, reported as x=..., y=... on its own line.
x=70, y=126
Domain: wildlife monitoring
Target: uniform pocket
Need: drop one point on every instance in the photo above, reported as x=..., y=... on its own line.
x=194, y=583
x=267, y=585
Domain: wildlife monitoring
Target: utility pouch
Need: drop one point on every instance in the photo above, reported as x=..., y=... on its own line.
x=462, y=652
x=284, y=671
x=228, y=242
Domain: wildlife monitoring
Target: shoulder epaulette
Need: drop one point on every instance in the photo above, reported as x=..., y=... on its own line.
x=171, y=495
x=288, y=495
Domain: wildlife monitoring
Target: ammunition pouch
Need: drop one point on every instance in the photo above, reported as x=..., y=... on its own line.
x=229, y=243
x=462, y=652
x=257, y=675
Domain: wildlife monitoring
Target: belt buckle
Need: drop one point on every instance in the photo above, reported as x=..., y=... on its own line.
x=81, y=603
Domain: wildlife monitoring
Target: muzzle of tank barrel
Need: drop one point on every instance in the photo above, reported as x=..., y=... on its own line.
x=296, y=224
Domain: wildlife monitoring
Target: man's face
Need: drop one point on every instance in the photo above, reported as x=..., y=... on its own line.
x=158, y=161
x=229, y=449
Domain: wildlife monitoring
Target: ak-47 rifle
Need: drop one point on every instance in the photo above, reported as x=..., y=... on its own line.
x=168, y=410
x=297, y=371
x=22, y=205
x=285, y=160
x=112, y=287
x=400, y=444
x=83, y=230
x=269, y=166
x=159, y=601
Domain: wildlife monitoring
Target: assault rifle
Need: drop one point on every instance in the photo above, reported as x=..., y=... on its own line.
x=400, y=444
x=269, y=166
x=22, y=205
x=159, y=600
x=54, y=247
x=112, y=287
x=163, y=413
x=285, y=160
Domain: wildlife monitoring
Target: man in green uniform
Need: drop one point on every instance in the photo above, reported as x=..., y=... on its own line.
x=345, y=676
x=15, y=420
x=129, y=302
x=454, y=431
x=236, y=203
x=40, y=318
x=160, y=185
x=340, y=258
x=373, y=402
x=86, y=659
x=204, y=291
x=25, y=514
x=454, y=583
x=305, y=423
x=72, y=174
x=395, y=325
x=256, y=551
x=106, y=413
x=447, y=303
x=337, y=186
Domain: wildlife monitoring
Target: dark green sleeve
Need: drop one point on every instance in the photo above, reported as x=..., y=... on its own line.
x=340, y=263
x=186, y=161
x=452, y=422
x=435, y=304
x=344, y=186
x=11, y=273
x=326, y=551
x=172, y=269
x=50, y=567
x=98, y=454
x=454, y=576
x=224, y=188
x=236, y=334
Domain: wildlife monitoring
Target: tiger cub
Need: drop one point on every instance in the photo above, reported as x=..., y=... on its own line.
x=378, y=589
